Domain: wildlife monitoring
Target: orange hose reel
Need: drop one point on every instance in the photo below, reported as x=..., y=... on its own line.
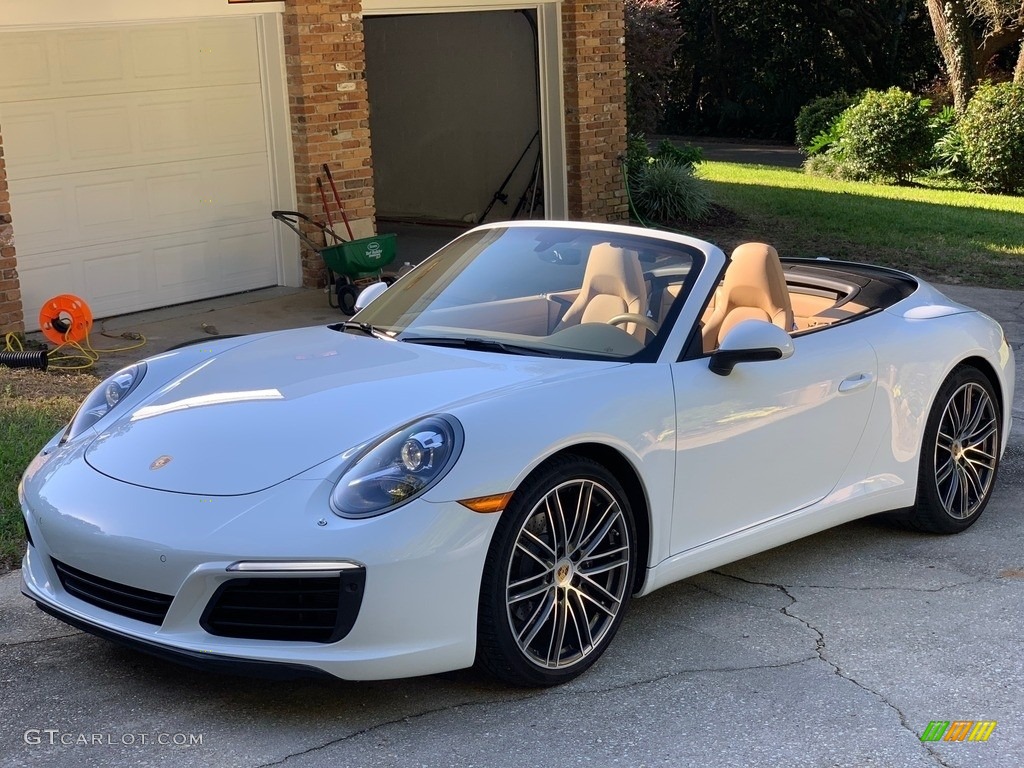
x=65, y=318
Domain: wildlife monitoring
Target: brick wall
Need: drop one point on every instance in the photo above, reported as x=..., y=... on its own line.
x=327, y=97
x=11, y=317
x=595, y=108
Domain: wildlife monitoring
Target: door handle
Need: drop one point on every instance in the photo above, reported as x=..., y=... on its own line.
x=855, y=382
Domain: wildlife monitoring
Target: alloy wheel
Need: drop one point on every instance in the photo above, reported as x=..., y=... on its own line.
x=966, y=451
x=568, y=574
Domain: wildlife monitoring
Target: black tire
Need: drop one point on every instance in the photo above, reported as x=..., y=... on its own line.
x=959, y=455
x=347, y=295
x=547, y=582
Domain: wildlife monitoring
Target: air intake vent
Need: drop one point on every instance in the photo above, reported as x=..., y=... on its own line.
x=310, y=609
x=138, y=604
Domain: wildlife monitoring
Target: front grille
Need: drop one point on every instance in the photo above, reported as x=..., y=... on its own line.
x=312, y=609
x=138, y=604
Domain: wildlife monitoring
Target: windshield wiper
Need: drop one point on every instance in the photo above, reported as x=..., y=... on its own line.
x=486, y=345
x=369, y=330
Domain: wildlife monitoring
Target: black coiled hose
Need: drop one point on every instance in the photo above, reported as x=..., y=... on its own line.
x=34, y=359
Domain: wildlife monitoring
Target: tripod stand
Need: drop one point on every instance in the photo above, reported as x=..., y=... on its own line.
x=500, y=195
x=533, y=196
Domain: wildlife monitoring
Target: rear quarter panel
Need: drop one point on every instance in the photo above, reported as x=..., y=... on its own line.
x=915, y=355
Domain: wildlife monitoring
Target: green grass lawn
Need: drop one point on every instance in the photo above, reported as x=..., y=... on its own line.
x=33, y=406
x=943, y=235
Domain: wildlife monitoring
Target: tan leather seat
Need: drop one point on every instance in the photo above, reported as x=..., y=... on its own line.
x=613, y=284
x=754, y=288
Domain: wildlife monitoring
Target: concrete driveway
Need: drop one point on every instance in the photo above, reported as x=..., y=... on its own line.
x=837, y=650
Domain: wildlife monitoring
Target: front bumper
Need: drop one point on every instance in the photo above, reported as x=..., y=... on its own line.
x=422, y=566
x=205, y=662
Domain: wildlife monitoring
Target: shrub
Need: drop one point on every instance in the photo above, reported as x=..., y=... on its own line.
x=992, y=135
x=667, y=191
x=828, y=140
x=830, y=164
x=661, y=184
x=948, y=161
x=825, y=154
x=817, y=116
x=638, y=154
x=680, y=155
x=886, y=136
x=943, y=121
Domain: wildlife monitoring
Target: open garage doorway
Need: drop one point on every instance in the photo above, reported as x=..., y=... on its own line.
x=457, y=119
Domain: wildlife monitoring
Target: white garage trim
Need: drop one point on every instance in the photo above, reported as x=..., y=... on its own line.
x=279, y=141
x=552, y=107
x=552, y=111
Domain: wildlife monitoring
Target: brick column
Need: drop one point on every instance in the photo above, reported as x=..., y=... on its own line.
x=12, y=317
x=595, y=108
x=326, y=64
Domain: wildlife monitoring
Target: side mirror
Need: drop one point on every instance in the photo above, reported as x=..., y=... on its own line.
x=369, y=294
x=750, y=341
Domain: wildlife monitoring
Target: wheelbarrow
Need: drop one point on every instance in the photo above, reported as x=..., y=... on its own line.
x=351, y=265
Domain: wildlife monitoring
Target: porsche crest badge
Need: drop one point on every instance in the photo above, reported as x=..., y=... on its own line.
x=160, y=462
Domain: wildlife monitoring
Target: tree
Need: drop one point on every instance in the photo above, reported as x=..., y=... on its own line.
x=653, y=33
x=872, y=34
x=746, y=67
x=970, y=34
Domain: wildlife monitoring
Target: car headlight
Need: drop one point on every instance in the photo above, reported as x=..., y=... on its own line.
x=105, y=398
x=398, y=468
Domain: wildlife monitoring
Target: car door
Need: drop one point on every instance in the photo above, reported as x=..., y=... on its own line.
x=770, y=437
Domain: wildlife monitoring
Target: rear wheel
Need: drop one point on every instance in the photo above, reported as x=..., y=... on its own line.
x=347, y=295
x=959, y=455
x=559, y=575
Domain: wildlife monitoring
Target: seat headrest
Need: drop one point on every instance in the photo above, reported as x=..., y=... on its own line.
x=755, y=279
x=613, y=271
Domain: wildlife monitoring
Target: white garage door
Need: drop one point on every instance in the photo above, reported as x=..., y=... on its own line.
x=137, y=163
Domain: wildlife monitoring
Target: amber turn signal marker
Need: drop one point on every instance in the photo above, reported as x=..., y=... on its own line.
x=487, y=503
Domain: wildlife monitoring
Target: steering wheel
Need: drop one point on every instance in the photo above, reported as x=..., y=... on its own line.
x=633, y=317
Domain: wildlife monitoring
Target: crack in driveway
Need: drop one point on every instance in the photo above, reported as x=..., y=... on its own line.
x=36, y=641
x=784, y=587
x=820, y=650
x=574, y=692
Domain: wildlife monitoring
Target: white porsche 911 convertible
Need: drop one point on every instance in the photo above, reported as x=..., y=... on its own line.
x=497, y=453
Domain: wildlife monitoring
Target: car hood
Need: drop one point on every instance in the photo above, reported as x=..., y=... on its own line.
x=264, y=411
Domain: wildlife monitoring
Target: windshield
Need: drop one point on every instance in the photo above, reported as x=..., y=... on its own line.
x=542, y=290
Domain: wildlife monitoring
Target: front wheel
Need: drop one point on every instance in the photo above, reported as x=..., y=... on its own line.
x=559, y=575
x=959, y=454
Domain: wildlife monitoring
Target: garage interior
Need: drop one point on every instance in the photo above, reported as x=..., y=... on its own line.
x=455, y=120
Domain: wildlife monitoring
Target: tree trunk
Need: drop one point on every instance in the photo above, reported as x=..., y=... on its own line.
x=1018, y=72
x=955, y=39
